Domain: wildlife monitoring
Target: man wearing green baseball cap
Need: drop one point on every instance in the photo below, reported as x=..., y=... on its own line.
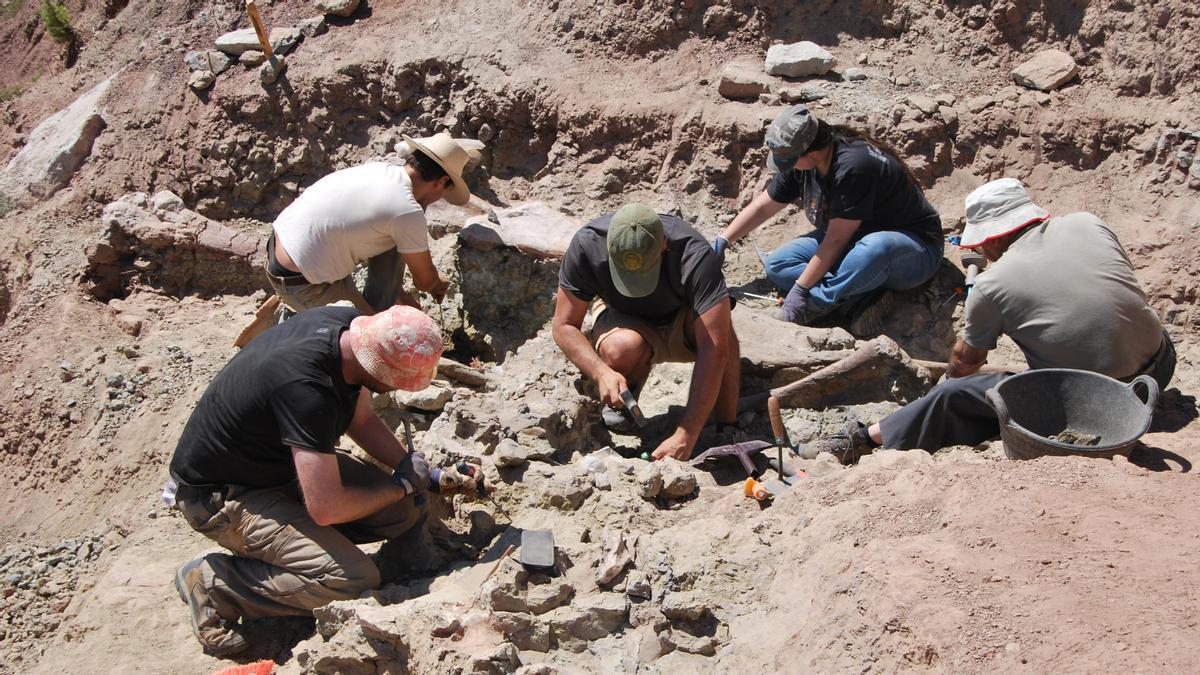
x=659, y=296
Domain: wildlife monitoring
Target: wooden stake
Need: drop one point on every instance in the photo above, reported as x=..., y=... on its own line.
x=263, y=37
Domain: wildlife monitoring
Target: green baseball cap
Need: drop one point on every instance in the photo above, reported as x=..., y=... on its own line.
x=635, y=247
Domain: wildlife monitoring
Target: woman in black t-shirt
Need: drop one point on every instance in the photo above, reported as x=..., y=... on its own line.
x=874, y=227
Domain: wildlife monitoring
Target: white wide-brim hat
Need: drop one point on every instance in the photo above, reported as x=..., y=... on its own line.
x=452, y=156
x=998, y=208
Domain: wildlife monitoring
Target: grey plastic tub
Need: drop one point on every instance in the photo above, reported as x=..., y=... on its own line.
x=1037, y=404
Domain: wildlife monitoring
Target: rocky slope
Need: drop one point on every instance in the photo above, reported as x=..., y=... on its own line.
x=121, y=291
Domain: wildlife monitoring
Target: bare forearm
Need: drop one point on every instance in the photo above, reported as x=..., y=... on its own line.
x=756, y=213
x=373, y=436
x=351, y=503
x=571, y=340
x=822, y=261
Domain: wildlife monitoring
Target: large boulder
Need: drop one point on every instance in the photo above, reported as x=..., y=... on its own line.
x=56, y=148
x=801, y=59
x=1046, y=71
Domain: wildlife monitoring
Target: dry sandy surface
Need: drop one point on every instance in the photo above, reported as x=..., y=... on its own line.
x=959, y=561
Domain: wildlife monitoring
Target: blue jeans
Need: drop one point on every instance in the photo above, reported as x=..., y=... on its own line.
x=890, y=259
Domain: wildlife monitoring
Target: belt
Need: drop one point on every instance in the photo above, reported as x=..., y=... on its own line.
x=293, y=279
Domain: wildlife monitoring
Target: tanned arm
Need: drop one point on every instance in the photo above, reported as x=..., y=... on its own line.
x=837, y=236
x=567, y=328
x=425, y=275
x=757, y=212
x=329, y=502
x=714, y=341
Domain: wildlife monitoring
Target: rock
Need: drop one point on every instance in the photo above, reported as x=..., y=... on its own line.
x=591, y=618
x=532, y=228
x=923, y=103
x=568, y=494
x=284, y=40
x=506, y=591
x=637, y=586
x=980, y=103
x=678, y=479
x=511, y=453
x=855, y=74
x=537, y=669
x=522, y=630
x=615, y=558
x=201, y=80
x=798, y=93
x=649, y=481
x=769, y=346
x=208, y=59
x=237, y=42
x=740, y=79
x=251, y=59
x=430, y=399
x=1046, y=71
x=946, y=99
x=337, y=7
x=683, y=606
x=542, y=598
x=56, y=148
x=165, y=201
x=271, y=70
x=704, y=645
x=314, y=26
x=949, y=115
x=798, y=60
x=903, y=81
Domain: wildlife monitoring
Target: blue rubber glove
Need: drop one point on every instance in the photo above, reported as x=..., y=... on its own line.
x=795, y=307
x=719, y=245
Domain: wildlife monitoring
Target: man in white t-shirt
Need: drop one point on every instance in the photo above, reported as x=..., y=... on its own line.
x=373, y=213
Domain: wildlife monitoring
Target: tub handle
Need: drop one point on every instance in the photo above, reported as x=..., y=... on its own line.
x=997, y=403
x=1151, y=389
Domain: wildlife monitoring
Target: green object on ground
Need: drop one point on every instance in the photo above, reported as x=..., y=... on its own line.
x=646, y=456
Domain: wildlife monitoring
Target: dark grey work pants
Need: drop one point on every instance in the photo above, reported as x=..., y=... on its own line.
x=956, y=411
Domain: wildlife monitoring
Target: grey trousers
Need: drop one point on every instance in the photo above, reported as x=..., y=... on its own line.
x=956, y=411
x=283, y=563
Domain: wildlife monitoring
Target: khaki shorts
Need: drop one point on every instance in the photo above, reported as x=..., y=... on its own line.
x=669, y=343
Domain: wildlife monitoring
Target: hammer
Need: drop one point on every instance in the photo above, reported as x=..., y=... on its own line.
x=974, y=263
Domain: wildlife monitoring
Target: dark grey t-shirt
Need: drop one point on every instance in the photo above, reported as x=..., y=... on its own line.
x=689, y=277
x=863, y=183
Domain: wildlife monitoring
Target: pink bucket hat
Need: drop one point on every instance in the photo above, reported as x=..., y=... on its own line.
x=399, y=346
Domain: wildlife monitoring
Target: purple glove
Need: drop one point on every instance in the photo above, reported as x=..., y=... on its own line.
x=795, y=307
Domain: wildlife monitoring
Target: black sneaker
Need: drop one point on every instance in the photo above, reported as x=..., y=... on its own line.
x=848, y=446
x=218, y=636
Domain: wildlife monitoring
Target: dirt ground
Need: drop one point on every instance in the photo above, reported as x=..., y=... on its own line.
x=957, y=562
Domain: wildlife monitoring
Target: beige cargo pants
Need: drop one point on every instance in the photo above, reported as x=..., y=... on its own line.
x=284, y=564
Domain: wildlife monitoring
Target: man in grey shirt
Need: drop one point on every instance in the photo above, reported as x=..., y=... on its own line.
x=1061, y=287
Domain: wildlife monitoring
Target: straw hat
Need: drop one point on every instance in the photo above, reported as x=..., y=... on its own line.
x=450, y=154
x=998, y=208
x=399, y=346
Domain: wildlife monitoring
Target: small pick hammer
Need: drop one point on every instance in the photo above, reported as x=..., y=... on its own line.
x=974, y=264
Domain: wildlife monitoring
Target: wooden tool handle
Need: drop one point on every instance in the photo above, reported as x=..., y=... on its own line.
x=259, y=28
x=776, y=421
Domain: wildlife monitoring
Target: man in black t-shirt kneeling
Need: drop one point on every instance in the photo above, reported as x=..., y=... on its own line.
x=661, y=298
x=256, y=469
